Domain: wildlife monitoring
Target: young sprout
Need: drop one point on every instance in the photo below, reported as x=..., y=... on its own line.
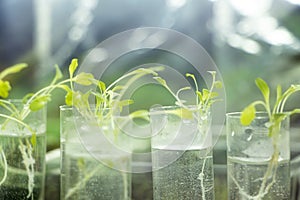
x=276, y=115
x=32, y=103
x=204, y=100
x=5, y=86
x=108, y=99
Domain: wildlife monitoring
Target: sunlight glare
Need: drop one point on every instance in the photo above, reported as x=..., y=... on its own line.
x=176, y=3
x=250, y=7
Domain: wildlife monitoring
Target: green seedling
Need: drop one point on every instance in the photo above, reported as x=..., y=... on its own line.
x=276, y=115
x=32, y=103
x=205, y=98
x=108, y=103
x=108, y=99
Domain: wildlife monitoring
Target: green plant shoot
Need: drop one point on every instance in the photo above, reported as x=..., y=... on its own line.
x=204, y=98
x=32, y=103
x=108, y=99
x=5, y=86
x=276, y=113
x=200, y=111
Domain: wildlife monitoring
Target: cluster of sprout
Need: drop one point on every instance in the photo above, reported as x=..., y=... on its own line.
x=107, y=99
x=204, y=98
x=200, y=112
x=32, y=102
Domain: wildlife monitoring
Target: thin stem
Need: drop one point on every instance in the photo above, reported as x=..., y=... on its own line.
x=83, y=181
x=5, y=167
x=119, y=79
x=151, y=70
x=201, y=177
x=265, y=106
x=18, y=121
x=270, y=172
x=286, y=98
x=124, y=176
x=48, y=89
x=130, y=81
x=10, y=108
x=196, y=86
x=44, y=91
x=210, y=92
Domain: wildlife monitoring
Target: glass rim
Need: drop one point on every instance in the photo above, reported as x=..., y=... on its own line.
x=258, y=114
x=171, y=107
x=19, y=104
x=15, y=100
x=66, y=107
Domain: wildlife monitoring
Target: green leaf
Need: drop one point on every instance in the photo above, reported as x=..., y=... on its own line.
x=81, y=163
x=264, y=88
x=13, y=69
x=143, y=114
x=183, y=113
x=73, y=66
x=278, y=92
x=33, y=140
x=213, y=94
x=64, y=87
x=248, y=115
x=102, y=86
x=297, y=110
x=4, y=88
x=218, y=84
x=84, y=78
x=39, y=102
x=205, y=94
x=69, y=98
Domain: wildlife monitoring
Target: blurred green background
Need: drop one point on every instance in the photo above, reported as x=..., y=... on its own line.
x=245, y=39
